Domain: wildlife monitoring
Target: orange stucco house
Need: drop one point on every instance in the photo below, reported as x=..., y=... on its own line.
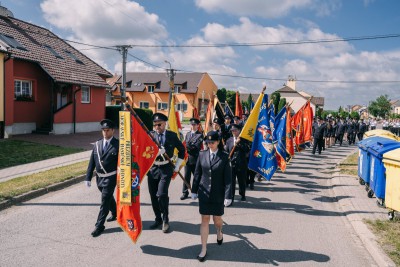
x=151, y=90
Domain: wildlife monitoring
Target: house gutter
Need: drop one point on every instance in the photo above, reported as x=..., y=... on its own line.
x=74, y=114
x=6, y=58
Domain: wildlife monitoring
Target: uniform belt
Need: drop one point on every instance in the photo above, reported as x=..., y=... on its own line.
x=160, y=163
x=102, y=175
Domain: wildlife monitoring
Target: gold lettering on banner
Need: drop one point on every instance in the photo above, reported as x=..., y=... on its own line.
x=125, y=157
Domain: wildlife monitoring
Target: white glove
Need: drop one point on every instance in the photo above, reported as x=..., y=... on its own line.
x=227, y=202
x=161, y=151
x=178, y=164
x=88, y=183
x=194, y=196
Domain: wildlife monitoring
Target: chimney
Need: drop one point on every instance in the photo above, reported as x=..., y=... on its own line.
x=5, y=12
x=291, y=82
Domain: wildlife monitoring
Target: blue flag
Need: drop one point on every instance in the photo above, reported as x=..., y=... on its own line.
x=251, y=105
x=279, y=137
x=262, y=155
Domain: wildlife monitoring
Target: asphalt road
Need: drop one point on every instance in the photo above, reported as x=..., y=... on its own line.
x=293, y=220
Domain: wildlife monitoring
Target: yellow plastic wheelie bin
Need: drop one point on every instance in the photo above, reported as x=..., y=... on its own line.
x=391, y=160
x=381, y=133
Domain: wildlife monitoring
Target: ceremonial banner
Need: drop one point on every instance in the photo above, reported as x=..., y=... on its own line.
x=262, y=154
x=251, y=123
x=197, y=116
x=307, y=123
x=298, y=127
x=238, y=106
x=218, y=110
x=289, y=136
x=209, y=114
x=137, y=151
x=280, y=138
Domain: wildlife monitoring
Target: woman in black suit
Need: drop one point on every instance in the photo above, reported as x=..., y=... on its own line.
x=212, y=185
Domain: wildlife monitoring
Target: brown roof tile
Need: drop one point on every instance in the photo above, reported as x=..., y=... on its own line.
x=34, y=39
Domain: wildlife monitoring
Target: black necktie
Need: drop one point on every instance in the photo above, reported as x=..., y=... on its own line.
x=212, y=157
x=105, y=146
x=160, y=139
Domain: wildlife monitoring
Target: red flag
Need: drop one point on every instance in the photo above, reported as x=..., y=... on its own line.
x=307, y=122
x=143, y=154
x=238, y=108
x=298, y=127
x=289, y=136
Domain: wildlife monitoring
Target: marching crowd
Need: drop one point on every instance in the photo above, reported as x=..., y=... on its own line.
x=216, y=161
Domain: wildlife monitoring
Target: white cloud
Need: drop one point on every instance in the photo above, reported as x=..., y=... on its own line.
x=261, y=8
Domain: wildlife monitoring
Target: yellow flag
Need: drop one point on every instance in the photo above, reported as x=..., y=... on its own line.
x=125, y=159
x=251, y=123
x=172, y=122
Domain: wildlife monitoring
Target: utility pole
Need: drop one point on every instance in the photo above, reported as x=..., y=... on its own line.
x=171, y=74
x=123, y=49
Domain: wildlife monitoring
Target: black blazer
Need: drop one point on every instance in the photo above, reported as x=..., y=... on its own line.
x=212, y=180
x=108, y=159
x=193, y=145
x=239, y=157
x=318, y=132
x=171, y=142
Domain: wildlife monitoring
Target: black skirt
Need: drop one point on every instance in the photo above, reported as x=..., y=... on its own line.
x=211, y=208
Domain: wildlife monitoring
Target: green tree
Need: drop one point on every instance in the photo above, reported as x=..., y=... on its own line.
x=249, y=102
x=221, y=94
x=380, y=107
x=231, y=99
x=355, y=115
x=276, y=98
x=282, y=103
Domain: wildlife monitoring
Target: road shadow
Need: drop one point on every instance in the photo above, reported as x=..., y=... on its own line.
x=331, y=199
x=58, y=204
x=238, y=251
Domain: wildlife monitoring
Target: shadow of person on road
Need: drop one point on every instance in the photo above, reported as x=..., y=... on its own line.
x=238, y=251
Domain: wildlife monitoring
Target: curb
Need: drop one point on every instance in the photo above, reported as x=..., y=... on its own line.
x=40, y=192
x=366, y=236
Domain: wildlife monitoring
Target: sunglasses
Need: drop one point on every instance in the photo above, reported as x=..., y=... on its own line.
x=157, y=124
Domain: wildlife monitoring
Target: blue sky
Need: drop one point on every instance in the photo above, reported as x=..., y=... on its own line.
x=338, y=71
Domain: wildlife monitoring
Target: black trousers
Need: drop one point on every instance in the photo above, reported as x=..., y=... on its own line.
x=318, y=143
x=250, y=176
x=350, y=138
x=189, y=170
x=340, y=138
x=241, y=176
x=159, y=178
x=107, y=204
x=360, y=136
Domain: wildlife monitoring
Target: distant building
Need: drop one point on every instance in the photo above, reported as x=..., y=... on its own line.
x=151, y=90
x=395, y=106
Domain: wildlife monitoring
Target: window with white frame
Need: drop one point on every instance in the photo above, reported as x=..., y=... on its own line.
x=23, y=90
x=177, y=89
x=162, y=105
x=150, y=88
x=144, y=104
x=85, y=94
x=182, y=106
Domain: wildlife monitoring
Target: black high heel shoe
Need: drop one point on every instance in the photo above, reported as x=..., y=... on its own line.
x=219, y=242
x=201, y=259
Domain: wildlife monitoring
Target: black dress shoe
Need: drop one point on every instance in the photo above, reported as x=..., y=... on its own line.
x=219, y=241
x=184, y=196
x=97, y=231
x=243, y=198
x=112, y=218
x=201, y=259
x=251, y=186
x=155, y=225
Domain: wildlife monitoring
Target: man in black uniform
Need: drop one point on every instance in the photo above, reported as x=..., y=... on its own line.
x=350, y=131
x=318, y=130
x=104, y=159
x=238, y=160
x=159, y=176
x=227, y=131
x=341, y=129
x=194, y=140
x=362, y=128
x=218, y=126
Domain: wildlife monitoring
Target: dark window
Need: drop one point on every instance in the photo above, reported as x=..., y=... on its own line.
x=73, y=57
x=12, y=42
x=53, y=52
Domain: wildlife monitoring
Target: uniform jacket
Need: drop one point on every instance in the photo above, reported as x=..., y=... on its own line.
x=318, y=131
x=212, y=180
x=171, y=142
x=193, y=145
x=341, y=128
x=239, y=156
x=108, y=159
x=350, y=127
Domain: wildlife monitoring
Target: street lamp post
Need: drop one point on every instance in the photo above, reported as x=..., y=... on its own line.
x=171, y=74
x=202, y=104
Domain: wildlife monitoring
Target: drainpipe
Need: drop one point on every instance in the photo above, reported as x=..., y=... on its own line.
x=74, y=115
x=3, y=127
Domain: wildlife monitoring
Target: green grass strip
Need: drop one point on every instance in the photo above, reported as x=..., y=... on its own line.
x=24, y=184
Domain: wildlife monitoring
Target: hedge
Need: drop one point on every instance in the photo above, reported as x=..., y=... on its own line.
x=112, y=113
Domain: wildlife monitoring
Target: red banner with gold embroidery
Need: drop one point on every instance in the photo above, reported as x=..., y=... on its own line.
x=143, y=154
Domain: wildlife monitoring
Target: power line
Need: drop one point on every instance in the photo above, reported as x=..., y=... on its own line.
x=317, y=41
